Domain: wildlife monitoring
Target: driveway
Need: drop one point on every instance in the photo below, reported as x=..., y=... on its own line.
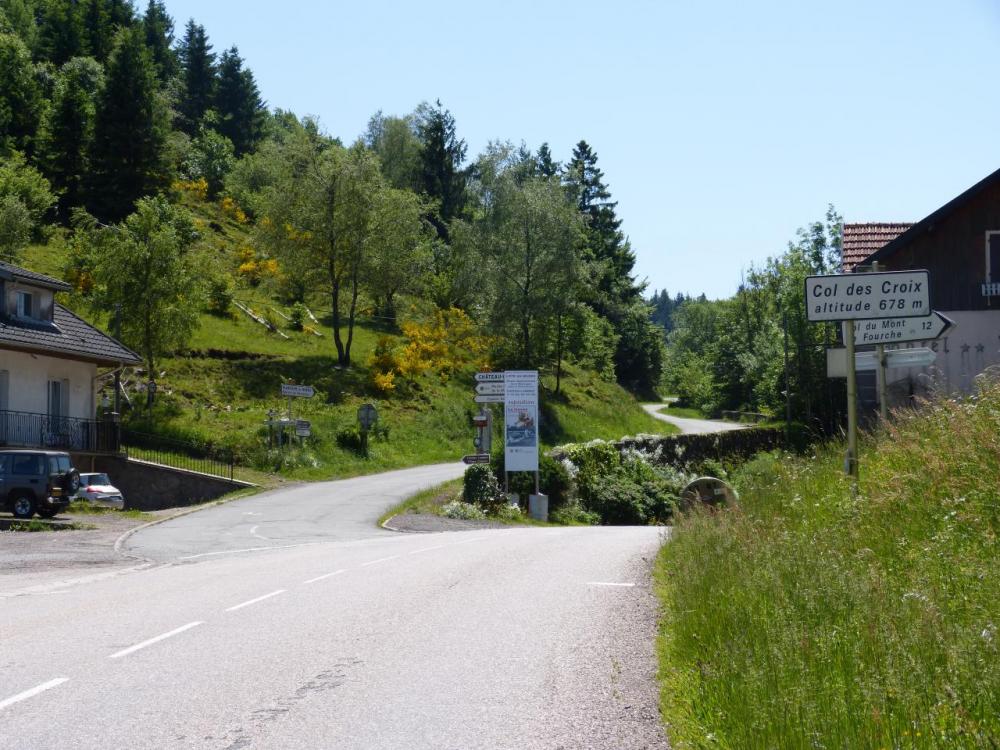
x=692, y=426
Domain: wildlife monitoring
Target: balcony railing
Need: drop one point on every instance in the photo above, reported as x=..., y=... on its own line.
x=991, y=289
x=26, y=430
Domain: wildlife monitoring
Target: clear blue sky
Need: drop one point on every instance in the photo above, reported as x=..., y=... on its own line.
x=721, y=127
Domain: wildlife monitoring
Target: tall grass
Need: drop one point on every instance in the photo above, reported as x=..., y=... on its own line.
x=812, y=618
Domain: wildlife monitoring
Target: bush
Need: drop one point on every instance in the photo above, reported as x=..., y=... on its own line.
x=573, y=514
x=463, y=511
x=480, y=488
x=617, y=499
x=554, y=478
x=298, y=317
x=220, y=296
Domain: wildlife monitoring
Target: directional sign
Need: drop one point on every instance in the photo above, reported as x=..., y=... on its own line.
x=289, y=390
x=861, y=296
x=489, y=377
x=836, y=360
x=489, y=398
x=476, y=458
x=900, y=330
x=489, y=388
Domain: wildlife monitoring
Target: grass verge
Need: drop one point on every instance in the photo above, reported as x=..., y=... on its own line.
x=811, y=617
x=683, y=411
x=425, y=501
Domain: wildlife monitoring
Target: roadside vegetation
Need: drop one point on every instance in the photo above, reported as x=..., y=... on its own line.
x=811, y=617
x=686, y=412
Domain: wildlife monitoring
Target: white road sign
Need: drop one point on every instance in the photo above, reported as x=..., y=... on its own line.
x=489, y=377
x=900, y=330
x=489, y=398
x=520, y=420
x=836, y=360
x=858, y=296
x=489, y=388
x=289, y=390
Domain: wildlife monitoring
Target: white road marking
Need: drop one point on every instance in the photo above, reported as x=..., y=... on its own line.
x=258, y=599
x=427, y=549
x=248, y=549
x=325, y=575
x=380, y=560
x=253, y=532
x=606, y=583
x=33, y=692
x=157, y=639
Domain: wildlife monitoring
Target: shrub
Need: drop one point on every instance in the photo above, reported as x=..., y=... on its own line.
x=480, y=487
x=573, y=514
x=220, y=296
x=298, y=317
x=554, y=478
x=617, y=499
x=464, y=511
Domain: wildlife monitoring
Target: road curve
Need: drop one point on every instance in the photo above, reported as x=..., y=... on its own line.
x=692, y=426
x=288, y=620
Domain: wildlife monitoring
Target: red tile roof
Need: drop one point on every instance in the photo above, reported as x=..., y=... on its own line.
x=862, y=240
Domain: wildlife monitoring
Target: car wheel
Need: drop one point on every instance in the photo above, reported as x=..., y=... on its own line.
x=48, y=512
x=23, y=506
x=71, y=482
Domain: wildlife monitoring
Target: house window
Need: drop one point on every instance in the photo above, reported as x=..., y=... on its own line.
x=25, y=305
x=993, y=257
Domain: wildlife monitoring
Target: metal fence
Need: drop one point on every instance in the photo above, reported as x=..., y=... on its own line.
x=28, y=430
x=179, y=454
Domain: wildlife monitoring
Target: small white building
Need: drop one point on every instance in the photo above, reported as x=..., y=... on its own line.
x=51, y=365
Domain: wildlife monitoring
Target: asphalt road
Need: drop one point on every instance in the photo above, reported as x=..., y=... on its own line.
x=354, y=638
x=692, y=426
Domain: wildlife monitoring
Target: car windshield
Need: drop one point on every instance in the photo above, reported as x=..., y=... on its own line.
x=95, y=479
x=59, y=464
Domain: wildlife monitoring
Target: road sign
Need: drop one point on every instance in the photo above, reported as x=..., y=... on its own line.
x=367, y=416
x=861, y=296
x=476, y=458
x=303, y=427
x=489, y=388
x=489, y=377
x=297, y=391
x=489, y=398
x=900, y=330
x=836, y=360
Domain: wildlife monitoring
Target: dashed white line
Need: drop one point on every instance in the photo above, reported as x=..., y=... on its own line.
x=33, y=692
x=157, y=639
x=258, y=599
x=380, y=560
x=427, y=549
x=325, y=575
x=607, y=583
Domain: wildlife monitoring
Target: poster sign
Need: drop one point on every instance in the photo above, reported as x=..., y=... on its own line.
x=521, y=420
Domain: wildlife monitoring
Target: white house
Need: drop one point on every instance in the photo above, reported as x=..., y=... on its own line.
x=50, y=365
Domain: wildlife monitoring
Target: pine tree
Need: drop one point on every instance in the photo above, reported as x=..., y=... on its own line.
x=608, y=245
x=60, y=33
x=128, y=155
x=441, y=156
x=545, y=165
x=237, y=101
x=21, y=17
x=67, y=131
x=159, y=29
x=20, y=95
x=198, y=71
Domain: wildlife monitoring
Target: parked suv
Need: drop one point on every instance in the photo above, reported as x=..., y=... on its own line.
x=36, y=481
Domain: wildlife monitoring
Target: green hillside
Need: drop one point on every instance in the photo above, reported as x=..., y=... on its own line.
x=219, y=389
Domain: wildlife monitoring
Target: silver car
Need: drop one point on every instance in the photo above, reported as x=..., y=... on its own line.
x=97, y=488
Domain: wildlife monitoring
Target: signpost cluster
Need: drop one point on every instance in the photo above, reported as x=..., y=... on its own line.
x=517, y=390
x=874, y=308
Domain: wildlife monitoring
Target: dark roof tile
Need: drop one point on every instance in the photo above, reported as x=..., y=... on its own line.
x=863, y=240
x=70, y=337
x=9, y=271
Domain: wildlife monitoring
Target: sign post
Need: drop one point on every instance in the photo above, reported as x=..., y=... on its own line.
x=521, y=423
x=367, y=417
x=844, y=298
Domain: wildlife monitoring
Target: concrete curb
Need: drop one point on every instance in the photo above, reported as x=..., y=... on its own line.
x=385, y=525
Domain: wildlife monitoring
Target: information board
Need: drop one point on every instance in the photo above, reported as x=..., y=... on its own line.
x=854, y=296
x=521, y=420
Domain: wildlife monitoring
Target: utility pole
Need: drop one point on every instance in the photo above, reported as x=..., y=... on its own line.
x=788, y=384
x=852, y=403
x=118, y=372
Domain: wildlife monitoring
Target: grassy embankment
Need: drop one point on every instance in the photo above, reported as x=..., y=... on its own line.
x=220, y=388
x=812, y=618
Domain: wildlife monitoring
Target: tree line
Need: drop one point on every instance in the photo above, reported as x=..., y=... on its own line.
x=102, y=111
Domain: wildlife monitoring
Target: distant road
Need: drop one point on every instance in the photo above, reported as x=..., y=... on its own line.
x=289, y=621
x=692, y=426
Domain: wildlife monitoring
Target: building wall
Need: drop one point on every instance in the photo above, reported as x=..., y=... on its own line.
x=28, y=376
x=954, y=251
x=968, y=349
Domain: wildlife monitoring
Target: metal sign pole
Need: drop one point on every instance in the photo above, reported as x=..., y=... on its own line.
x=883, y=385
x=852, y=403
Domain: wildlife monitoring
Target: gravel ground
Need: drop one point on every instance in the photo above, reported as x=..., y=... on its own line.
x=425, y=523
x=39, y=558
